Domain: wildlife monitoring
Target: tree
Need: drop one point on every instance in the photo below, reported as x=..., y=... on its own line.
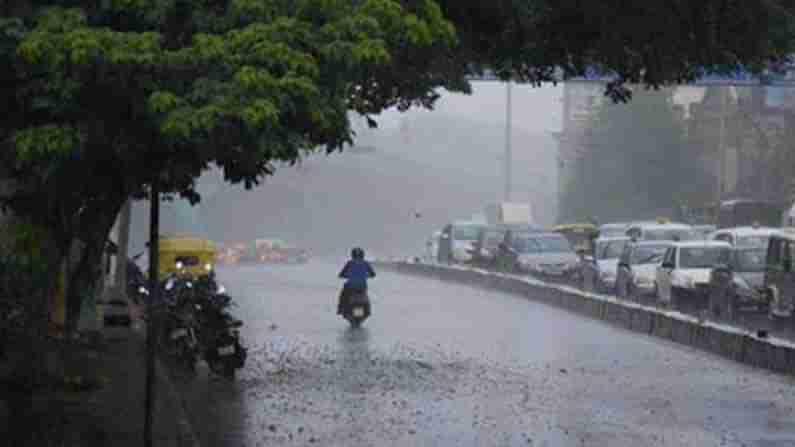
x=654, y=43
x=638, y=163
x=103, y=98
x=110, y=98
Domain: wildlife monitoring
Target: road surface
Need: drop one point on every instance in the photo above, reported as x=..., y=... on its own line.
x=440, y=364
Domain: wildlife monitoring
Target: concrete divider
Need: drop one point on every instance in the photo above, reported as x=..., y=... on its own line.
x=731, y=342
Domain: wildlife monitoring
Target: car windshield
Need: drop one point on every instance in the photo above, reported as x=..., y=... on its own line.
x=551, y=244
x=702, y=257
x=466, y=233
x=648, y=254
x=611, y=250
x=750, y=261
x=756, y=241
x=668, y=235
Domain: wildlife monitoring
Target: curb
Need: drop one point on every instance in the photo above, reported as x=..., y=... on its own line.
x=187, y=437
x=740, y=345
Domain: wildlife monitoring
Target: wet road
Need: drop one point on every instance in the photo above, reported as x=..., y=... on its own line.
x=448, y=365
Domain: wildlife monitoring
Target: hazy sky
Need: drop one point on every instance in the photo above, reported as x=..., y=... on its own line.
x=449, y=168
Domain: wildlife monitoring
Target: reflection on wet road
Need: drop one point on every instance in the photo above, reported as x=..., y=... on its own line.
x=441, y=364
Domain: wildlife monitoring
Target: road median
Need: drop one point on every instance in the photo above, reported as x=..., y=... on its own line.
x=731, y=342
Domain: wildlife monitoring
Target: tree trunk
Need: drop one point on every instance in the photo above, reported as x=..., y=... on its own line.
x=84, y=276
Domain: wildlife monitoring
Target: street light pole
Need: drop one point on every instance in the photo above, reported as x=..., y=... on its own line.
x=154, y=288
x=508, y=135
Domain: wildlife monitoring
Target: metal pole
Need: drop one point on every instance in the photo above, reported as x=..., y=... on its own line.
x=721, y=138
x=154, y=287
x=508, y=135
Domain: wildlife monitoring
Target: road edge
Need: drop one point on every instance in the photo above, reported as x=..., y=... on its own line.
x=739, y=345
x=187, y=436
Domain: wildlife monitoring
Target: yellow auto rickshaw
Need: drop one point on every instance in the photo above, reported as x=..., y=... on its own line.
x=579, y=235
x=186, y=255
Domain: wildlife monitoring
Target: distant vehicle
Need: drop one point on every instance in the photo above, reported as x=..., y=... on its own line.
x=506, y=213
x=683, y=278
x=432, y=247
x=661, y=230
x=548, y=255
x=614, y=229
x=742, y=212
x=457, y=242
x=636, y=268
x=487, y=246
x=780, y=274
x=579, y=235
x=600, y=269
x=276, y=251
x=754, y=236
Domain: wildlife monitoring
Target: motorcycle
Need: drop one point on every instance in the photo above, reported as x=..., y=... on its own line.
x=357, y=308
x=219, y=334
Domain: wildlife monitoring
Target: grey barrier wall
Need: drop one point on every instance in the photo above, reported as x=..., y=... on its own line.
x=728, y=341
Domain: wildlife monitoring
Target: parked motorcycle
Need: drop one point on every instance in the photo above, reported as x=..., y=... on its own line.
x=219, y=335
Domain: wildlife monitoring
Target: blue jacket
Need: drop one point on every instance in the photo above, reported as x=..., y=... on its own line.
x=357, y=271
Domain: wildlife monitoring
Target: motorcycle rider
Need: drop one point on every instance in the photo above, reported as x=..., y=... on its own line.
x=356, y=271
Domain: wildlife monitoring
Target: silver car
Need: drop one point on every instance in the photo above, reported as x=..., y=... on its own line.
x=547, y=255
x=600, y=270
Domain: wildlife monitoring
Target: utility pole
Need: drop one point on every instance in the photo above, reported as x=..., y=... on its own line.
x=721, y=149
x=508, y=142
x=154, y=289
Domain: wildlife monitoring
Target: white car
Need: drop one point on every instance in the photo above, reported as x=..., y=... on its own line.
x=613, y=229
x=745, y=237
x=683, y=278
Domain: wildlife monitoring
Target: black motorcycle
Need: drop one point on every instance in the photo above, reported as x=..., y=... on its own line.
x=219, y=335
x=356, y=309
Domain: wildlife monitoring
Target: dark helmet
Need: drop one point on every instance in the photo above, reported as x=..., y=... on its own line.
x=357, y=253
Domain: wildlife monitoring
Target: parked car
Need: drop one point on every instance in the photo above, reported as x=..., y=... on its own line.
x=743, y=285
x=780, y=274
x=683, y=278
x=637, y=266
x=457, y=241
x=599, y=271
x=661, y=231
x=547, y=255
x=753, y=236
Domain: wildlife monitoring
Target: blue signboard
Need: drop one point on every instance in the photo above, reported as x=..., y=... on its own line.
x=783, y=77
